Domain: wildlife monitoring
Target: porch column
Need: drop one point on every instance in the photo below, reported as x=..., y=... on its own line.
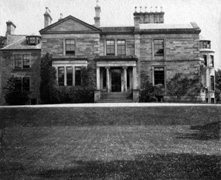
x=108, y=78
x=98, y=78
x=134, y=77
x=125, y=79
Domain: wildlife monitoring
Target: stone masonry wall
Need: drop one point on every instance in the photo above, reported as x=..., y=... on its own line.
x=130, y=47
x=87, y=45
x=8, y=70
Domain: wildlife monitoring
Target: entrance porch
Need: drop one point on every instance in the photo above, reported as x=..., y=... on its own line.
x=116, y=77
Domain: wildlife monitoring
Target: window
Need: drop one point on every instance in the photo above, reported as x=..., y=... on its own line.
x=33, y=40
x=212, y=60
x=77, y=76
x=159, y=47
x=26, y=61
x=158, y=75
x=212, y=83
x=22, y=61
x=121, y=47
x=18, y=61
x=69, y=76
x=110, y=48
x=23, y=83
x=205, y=59
x=26, y=84
x=61, y=76
x=70, y=47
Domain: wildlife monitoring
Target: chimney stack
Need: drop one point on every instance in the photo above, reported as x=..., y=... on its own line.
x=10, y=28
x=148, y=17
x=47, y=17
x=97, y=15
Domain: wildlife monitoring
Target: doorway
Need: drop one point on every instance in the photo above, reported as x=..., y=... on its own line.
x=116, y=80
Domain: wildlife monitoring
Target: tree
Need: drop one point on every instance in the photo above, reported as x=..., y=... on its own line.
x=48, y=80
x=14, y=95
x=218, y=85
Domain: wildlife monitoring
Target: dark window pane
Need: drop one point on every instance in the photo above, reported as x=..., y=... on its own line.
x=61, y=76
x=70, y=46
x=18, y=61
x=159, y=75
x=32, y=41
x=110, y=47
x=212, y=60
x=18, y=83
x=69, y=76
x=77, y=76
x=26, y=84
x=26, y=61
x=159, y=47
x=212, y=82
x=121, y=47
x=205, y=59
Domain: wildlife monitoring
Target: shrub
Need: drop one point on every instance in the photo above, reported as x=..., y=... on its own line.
x=181, y=85
x=14, y=95
x=149, y=92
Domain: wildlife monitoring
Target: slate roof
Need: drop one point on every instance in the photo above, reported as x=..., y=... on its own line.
x=20, y=44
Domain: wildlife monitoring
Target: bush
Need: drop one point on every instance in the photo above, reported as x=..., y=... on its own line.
x=73, y=95
x=149, y=92
x=181, y=85
x=14, y=95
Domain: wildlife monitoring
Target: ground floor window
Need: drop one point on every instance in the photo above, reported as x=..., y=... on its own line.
x=212, y=83
x=77, y=76
x=159, y=75
x=61, y=76
x=23, y=83
x=69, y=76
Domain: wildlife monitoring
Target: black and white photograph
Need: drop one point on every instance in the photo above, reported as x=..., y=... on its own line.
x=110, y=90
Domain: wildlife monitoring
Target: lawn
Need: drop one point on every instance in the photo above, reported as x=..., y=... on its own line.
x=111, y=143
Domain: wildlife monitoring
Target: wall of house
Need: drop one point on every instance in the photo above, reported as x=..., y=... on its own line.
x=87, y=45
x=181, y=55
x=130, y=47
x=8, y=70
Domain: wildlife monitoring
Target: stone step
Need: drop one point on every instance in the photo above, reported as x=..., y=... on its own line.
x=113, y=95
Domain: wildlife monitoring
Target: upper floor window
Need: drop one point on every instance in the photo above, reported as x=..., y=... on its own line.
x=158, y=47
x=22, y=61
x=121, y=47
x=33, y=40
x=159, y=75
x=212, y=60
x=110, y=47
x=205, y=45
x=70, y=47
x=205, y=59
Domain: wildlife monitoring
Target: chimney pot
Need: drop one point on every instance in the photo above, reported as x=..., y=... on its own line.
x=47, y=17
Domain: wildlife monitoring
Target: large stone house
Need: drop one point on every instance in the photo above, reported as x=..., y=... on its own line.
x=125, y=57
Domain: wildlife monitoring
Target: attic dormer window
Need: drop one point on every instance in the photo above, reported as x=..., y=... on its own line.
x=32, y=40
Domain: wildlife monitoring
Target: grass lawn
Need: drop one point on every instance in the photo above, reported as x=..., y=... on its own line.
x=111, y=143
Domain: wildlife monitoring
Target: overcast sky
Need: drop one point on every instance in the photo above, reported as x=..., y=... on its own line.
x=28, y=17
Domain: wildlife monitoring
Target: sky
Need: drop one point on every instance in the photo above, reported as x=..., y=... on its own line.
x=28, y=17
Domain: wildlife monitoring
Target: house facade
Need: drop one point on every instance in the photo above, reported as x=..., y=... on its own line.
x=20, y=57
x=124, y=57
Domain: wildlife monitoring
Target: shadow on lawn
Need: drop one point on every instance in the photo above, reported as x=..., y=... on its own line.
x=209, y=131
x=151, y=166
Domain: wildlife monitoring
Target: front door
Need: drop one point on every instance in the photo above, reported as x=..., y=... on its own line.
x=116, y=80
